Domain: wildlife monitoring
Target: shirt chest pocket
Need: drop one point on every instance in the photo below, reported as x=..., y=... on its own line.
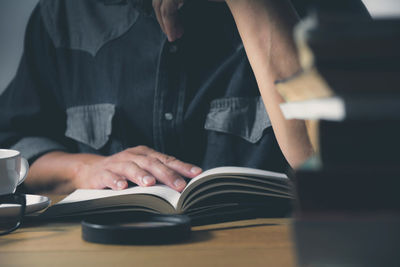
x=242, y=117
x=90, y=124
x=87, y=25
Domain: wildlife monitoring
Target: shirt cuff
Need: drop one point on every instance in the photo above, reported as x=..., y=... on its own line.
x=32, y=148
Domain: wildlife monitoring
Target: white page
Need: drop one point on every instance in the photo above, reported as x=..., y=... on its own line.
x=162, y=191
x=222, y=171
x=329, y=108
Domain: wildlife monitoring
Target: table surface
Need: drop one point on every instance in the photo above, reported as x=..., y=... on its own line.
x=258, y=242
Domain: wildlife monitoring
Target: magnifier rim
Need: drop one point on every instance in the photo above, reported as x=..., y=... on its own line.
x=116, y=223
x=107, y=230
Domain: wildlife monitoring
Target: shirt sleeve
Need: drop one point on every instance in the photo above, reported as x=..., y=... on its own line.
x=32, y=119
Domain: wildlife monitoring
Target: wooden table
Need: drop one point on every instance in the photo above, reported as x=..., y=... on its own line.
x=259, y=242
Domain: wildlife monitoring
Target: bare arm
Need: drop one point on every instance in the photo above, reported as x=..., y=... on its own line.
x=266, y=27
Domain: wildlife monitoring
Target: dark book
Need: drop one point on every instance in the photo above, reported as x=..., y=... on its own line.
x=359, y=142
x=381, y=77
x=346, y=216
x=348, y=40
x=325, y=189
x=344, y=56
x=352, y=55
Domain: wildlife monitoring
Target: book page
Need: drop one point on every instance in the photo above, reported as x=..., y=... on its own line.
x=162, y=191
x=243, y=175
x=224, y=171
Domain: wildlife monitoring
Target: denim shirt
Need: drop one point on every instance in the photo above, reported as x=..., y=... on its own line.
x=99, y=76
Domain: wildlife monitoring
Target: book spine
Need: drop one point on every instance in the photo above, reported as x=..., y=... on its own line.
x=371, y=142
x=347, y=189
x=372, y=106
x=362, y=80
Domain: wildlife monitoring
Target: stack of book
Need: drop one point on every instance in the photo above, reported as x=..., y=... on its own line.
x=348, y=207
x=349, y=87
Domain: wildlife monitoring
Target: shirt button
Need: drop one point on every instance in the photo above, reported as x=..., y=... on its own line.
x=169, y=116
x=173, y=48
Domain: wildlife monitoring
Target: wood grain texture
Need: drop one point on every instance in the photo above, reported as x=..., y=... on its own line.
x=259, y=242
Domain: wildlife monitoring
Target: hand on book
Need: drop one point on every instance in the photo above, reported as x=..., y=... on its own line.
x=140, y=165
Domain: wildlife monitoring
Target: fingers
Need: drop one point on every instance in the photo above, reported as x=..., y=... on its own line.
x=145, y=171
x=172, y=25
x=184, y=169
x=168, y=17
x=163, y=173
x=133, y=173
x=165, y=169
x=140, y=165
x=111, y=180
x=157, y=10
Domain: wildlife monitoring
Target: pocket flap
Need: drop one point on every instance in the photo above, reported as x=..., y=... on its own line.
x=87, y=25
x=243, y=117
x=91, y=124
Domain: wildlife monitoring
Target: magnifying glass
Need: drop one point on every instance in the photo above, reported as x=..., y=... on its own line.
x=136, y=229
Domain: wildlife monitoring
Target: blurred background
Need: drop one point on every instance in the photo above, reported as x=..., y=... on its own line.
x=14, y=15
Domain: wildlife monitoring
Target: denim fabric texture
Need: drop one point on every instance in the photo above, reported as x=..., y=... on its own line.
x=243, y=117
x=89, y=24
x=99, y=76
x=91, y=124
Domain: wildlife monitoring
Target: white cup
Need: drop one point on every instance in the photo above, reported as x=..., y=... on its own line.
x=13, y=170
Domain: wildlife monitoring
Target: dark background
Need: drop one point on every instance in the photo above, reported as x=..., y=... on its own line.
x=14, y=15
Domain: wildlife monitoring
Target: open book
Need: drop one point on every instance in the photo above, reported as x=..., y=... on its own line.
x=220, y=188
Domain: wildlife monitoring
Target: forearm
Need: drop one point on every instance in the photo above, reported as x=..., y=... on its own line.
x=266, y=27
x=55, y=172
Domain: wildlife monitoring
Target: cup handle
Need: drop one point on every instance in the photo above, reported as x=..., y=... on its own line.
x=24, y=170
